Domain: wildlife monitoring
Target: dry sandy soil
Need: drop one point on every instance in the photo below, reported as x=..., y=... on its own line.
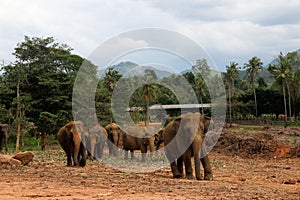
x=241, y=175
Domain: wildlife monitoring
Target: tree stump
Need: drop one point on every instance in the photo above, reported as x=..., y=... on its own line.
x=43, y=141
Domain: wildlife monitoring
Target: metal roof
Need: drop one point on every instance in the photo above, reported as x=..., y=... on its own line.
x=173, y=106
x=181, y=106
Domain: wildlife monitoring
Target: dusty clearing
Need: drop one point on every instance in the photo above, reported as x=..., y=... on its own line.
x=241, y=175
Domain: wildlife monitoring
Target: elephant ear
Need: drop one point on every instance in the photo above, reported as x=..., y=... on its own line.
x=74, y=127
x=206, y=122
x=176, y=123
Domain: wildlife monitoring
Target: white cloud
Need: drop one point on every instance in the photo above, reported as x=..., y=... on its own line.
x=229, y=30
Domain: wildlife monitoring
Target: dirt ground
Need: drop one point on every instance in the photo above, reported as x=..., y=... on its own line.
x=265, y=172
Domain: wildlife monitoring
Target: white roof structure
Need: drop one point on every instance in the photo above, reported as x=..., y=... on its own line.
x=173, y=106
x=180, y=106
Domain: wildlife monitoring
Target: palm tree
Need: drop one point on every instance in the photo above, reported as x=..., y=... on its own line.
x=111, y=78
x=283, y=74
x=253, y=67
x=230, y=77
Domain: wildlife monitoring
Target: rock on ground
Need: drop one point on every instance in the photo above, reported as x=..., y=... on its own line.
x=22, y=158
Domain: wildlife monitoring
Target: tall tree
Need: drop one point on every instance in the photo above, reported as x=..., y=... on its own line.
x=230, y=77
x=283, y=73
x=111, y=78
x=201, y=69
x=253, y=67
x=44, y=71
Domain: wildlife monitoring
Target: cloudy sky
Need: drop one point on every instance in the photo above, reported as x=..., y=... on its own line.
x=228, y=30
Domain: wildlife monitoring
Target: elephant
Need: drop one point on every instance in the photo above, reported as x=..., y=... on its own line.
x=183, y=138
x=138, y=138
x=70, y=139
x=3, y=136
x=115, y=134
x=95, y=140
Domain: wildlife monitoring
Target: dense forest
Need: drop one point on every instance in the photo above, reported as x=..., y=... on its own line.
x=36, y=89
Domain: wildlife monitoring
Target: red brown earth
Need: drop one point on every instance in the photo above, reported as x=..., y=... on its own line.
x=264, y=164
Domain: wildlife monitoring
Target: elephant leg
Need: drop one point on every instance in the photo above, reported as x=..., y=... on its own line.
x=176, y=173
x=115, y=150
x=69, y=159
x=144, y=151
x=93, y=142
x=180, y=165
x=126, y=155
x=101, y=147
x=132, y=154
x=115, y=145
x=68, y=150
x=76, y=152
x=143, y=157
x=196, y=150
x=110, y=143
x=207, y=168
x=197, y=166
x=82, y=160
x=188, y=164
x=110, y=147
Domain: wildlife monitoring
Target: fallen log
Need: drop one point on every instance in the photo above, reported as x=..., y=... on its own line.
x=22, y=158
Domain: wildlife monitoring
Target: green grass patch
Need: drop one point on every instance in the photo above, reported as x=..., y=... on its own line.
x=293, y=138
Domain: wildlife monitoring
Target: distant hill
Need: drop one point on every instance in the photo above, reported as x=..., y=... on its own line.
x=130, y=69
x=274, y=61
x=265, y=73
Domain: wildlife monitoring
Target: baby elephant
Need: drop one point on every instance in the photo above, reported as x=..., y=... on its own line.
x=95, y=140
x=114, y=138
x=137, y=138
x=69, y=137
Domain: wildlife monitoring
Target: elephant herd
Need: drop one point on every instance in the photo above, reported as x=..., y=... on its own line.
x=182, y=139
x=77, y=142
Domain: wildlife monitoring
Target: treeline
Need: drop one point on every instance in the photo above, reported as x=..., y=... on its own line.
x=270, y=91
x=37, y=88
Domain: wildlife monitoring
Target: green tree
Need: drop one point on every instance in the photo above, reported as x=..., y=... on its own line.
x=231, y=76
x=149, y=91
x=283, y=73
x=43, y=73
x=201, y=69
x=253, y=67
x=111, y=78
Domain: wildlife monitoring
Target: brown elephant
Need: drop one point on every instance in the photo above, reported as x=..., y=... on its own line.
x=3, y=135
x=138, y=138
x=183, y=138
x=115, y=134
x=69, y=137
x=95, y=140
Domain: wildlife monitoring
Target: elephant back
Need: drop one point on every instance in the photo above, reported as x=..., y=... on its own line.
x=138, y=131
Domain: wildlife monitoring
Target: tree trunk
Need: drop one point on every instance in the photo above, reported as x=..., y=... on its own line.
x=147, y=98
x=18, y=117
x=22, y=137
x=284, y=101
x=255, y=101
x=230, y=113
x=43, y=141
x=289, y=97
